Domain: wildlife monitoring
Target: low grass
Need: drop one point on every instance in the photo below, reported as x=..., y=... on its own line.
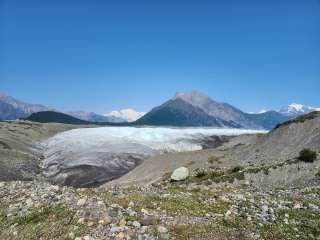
x=174, y=205
x=219, y=175
x=303, y=224
x=54, y=222
x=214, y=159
x=221, y=229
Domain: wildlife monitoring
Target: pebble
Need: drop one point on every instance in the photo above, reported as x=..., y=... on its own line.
x=81, y=202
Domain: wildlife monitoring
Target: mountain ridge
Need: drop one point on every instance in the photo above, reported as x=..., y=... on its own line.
x=214, y=114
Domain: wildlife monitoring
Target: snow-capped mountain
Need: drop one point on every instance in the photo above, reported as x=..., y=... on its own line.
x=296, y=109
x=127, y=115
x=93, y=117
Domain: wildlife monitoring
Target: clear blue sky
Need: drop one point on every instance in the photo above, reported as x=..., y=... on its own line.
x=103, y=55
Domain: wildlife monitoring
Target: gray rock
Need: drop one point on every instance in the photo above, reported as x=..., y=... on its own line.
x=180, y=174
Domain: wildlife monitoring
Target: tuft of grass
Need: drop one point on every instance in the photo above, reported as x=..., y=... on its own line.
x=200, y=173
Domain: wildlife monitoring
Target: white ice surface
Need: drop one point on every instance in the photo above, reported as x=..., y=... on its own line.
x=116, y=149
x=115, y=139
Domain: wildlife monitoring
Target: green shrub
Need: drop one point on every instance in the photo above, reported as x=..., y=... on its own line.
x=307, y=155
x=236, y=169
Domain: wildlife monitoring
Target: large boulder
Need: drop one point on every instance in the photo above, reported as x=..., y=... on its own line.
x=180, y=174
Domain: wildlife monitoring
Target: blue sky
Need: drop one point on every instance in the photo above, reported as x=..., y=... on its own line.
x=104, y=55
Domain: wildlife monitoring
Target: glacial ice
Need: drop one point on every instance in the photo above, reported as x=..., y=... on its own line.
x=89, y=156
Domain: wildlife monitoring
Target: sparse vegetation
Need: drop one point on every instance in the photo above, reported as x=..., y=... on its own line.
x=300, y=119
x=54, y=222
x=213, y=159
x=307, y=155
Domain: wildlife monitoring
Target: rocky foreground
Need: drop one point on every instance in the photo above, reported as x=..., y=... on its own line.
x=196, y=208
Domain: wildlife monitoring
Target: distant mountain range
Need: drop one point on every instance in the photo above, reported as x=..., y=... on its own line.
x=184, y=109
x=11, y=108
x=197, y=109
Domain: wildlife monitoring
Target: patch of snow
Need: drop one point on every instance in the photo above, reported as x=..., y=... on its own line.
x=129, y=115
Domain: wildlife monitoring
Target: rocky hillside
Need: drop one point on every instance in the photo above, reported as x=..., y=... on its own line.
x=20, y=157
x=287, y=140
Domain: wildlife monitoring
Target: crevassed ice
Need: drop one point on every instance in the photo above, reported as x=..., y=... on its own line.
x=78, y=155
x=156, y=138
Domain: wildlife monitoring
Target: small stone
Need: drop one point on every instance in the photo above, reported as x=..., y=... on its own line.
x=55, y=188
x=90, y=223
x=144, y=211
x=162, y=230
x=240, y=197
x=2, y=184
x=116, y=229
x=113, y=212
x=131, y=204
x=81, y=202
x=87, y=238
x=224, y=199
x=81, y=221
x=29, y=203
x=149, y=220
x=297, y=206
x=122, y=223
x=131, y=233
x=228, y=213
x=120, y=235
x=264, y=208
x=136, y=224
x=71, y=235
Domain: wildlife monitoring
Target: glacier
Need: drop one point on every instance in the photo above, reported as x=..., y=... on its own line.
x=91, y=156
